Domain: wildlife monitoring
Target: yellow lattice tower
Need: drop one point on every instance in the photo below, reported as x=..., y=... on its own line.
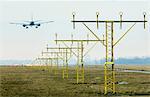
x=65, y=52
x=109, y=44
x=53, y=59
x=63, y=55
x=59, y=55
x=109, y=64
x=80, y=55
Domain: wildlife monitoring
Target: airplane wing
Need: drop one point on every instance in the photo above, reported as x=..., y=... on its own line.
x=45, y=22
x=32, y=21
x=18, y=23
x=38, y=20
x=22, y=24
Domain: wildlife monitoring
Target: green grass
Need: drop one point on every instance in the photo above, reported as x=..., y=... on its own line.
x=42, y=82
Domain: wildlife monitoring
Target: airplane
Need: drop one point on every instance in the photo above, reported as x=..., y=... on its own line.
x=32, y=23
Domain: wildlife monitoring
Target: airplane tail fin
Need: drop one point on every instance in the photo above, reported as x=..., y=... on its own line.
x=31, y=16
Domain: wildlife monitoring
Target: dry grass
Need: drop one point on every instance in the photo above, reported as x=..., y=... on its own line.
x=42, y=82
x=134, y=67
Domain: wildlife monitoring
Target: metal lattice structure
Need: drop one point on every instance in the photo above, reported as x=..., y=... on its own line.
x=109, y=69
x=109, y=72
x=80, y=55
x=108, y=42
x=64, y=55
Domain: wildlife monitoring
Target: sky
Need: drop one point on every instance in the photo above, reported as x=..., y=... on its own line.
x=17, y=42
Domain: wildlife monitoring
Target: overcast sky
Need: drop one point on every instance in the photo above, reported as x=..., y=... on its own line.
x=17, y=42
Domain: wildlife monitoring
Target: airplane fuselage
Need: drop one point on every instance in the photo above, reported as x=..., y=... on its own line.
x=32, y=23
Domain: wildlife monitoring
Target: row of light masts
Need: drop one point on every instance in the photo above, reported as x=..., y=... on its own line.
x=107, y=42
x=109, y=70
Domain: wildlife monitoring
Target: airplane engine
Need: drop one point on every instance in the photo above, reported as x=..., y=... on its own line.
x=39, y=25
x=24, y=25
x=36, y=27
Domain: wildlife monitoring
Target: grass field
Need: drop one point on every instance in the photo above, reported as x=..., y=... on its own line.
x=40, y=81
